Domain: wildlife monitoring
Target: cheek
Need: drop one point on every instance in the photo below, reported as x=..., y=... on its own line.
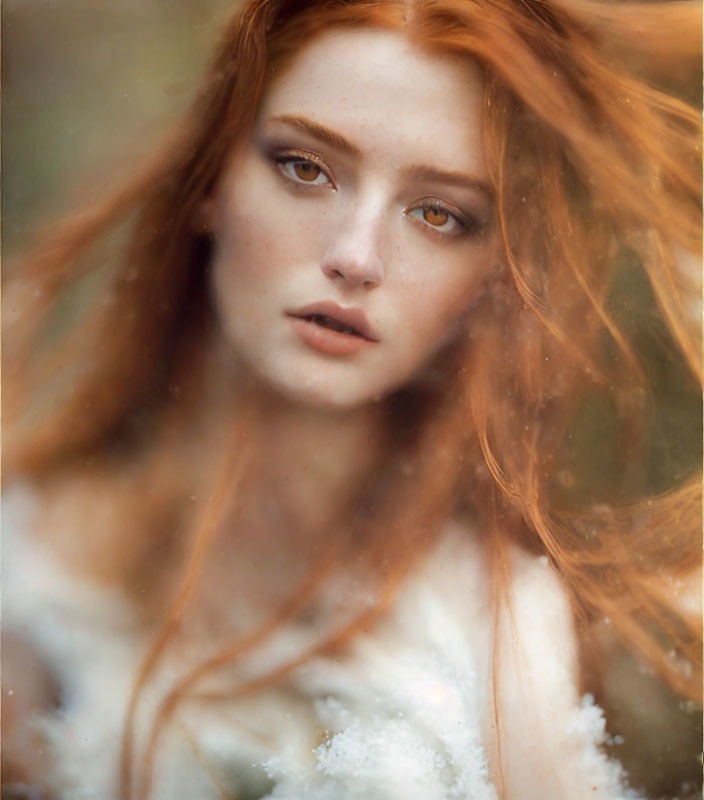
x=266, y=236
x=242, y=235
x=239, y=264
x=435, y=305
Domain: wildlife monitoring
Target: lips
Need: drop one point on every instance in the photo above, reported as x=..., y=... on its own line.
x=329, y=315
x=330, y=329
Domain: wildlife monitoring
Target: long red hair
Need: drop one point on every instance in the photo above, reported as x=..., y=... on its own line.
x=590, y=166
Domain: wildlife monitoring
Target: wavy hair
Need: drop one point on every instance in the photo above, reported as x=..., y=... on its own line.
x=590, y=164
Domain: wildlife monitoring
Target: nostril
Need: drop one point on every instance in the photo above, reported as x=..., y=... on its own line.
x=356, y=268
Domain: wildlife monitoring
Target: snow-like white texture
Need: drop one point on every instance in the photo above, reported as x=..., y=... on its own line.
x=589, y=725
x=405, y=714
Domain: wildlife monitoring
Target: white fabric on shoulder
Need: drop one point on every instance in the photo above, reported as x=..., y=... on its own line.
x=405, y=711
x=408, y=713
x=550, y=736
x=405, y=715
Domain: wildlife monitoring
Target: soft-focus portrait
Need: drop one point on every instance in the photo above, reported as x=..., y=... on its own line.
x=351, y=400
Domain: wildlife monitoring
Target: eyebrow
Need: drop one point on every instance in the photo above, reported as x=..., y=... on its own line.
x=419, y=172
x=459, y=179
x=321, y=133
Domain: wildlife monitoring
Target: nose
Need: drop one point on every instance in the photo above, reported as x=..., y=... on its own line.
x=353, y=257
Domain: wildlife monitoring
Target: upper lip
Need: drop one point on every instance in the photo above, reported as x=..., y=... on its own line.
x=353, y=317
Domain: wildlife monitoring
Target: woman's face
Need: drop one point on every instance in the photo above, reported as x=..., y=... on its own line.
x=352, y=229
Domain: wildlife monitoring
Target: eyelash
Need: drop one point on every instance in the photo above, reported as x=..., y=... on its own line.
x=462, y=225
x=290, y=158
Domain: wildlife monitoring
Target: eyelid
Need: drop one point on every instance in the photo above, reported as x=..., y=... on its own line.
x=467, y=224
x=284, y=155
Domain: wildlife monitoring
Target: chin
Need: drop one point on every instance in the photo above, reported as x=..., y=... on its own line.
x=316, y=383
x=324, y=396
x=323, y=388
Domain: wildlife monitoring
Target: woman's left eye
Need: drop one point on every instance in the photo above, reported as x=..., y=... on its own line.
x=303, y=171
x=438, y=217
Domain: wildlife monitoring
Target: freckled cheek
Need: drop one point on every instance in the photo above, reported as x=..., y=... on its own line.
x=433, y=305
x=276, y=240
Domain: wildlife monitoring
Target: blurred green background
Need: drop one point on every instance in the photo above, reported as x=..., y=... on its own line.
x=88, y=88
x=91, y=86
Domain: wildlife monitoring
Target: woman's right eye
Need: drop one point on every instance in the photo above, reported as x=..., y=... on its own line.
x=304, y=171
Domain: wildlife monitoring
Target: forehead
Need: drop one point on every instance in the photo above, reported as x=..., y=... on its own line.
x=382, y=92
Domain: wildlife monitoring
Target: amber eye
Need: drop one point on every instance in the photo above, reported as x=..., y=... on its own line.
x=306, y=171
x=439, y=219
x=435, y=216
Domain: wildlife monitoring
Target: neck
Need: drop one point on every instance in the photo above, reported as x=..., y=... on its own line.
x=304, y=469
x=307, y=460
x=316, y=457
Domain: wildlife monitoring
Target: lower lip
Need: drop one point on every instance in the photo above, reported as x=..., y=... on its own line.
x=325, y=340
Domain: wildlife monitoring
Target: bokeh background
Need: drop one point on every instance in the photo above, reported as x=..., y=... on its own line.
x=89, y=87
x=92, y=86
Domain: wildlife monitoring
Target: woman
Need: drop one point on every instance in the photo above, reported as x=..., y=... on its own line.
x=300, y=522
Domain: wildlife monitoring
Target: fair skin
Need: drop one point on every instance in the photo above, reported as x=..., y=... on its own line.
x=358, y=207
